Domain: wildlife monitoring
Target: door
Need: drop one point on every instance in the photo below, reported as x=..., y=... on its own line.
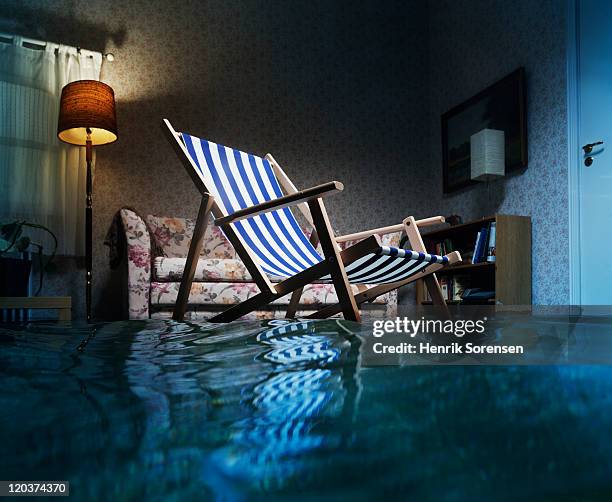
x=594, y=149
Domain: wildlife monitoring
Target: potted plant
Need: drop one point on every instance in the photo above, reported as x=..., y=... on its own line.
x=15, y=270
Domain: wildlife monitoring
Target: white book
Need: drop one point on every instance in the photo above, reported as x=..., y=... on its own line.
x=491, y=246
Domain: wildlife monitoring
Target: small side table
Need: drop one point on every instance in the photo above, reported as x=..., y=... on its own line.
x=12, y=307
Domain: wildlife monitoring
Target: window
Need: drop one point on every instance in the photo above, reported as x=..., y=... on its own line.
x=41, y=179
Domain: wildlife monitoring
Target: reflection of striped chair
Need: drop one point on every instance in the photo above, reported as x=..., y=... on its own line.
x=290, y=411
x=299, y=347
x=244, y=194
x=292, y=407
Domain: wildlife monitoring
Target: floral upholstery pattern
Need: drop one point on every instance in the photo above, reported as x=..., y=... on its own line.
x=139, y=264
x=173, y=237
x=230, y=293
x=207, y=270
x=157, y=251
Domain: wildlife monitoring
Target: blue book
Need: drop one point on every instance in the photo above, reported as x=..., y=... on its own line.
x=481, y=245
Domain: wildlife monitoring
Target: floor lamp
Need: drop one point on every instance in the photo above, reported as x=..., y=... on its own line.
x=87, y=118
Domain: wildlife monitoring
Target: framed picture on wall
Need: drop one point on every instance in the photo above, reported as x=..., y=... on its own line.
x=501, y=106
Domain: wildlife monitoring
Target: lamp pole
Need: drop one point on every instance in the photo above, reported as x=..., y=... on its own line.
x=88, y=223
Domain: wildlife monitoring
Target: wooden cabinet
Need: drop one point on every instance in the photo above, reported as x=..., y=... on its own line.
x=509, y=276
x=14, y=309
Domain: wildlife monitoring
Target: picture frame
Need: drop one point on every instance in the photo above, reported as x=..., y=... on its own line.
x=501, y=106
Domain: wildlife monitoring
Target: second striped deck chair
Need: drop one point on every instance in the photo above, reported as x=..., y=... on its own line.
x=250, y=199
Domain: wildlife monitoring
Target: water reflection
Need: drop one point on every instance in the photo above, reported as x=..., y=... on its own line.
x=160, y=409
x=293, y=408
x=270, y=397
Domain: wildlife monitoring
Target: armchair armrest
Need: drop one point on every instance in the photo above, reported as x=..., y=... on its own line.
x=139, y=263
x=281, y=202
x=434, y=220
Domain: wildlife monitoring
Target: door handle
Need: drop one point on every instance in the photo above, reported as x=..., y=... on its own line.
x=588, y=148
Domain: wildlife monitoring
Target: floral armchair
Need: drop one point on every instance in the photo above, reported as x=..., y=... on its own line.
x=157, y=249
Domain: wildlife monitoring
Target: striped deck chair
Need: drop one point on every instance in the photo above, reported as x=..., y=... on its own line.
x=250, y=199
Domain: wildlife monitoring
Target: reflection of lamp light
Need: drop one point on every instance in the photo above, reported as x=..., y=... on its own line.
x=487, y=154
x=87, y=118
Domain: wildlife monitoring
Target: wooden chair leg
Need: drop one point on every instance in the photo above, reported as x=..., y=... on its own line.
x=332, y=256
x=435, y=291
x=431, y=281
x=297, y=294
x=192, y=258
x=293, y=303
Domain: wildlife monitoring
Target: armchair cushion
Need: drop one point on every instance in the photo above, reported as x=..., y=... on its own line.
x=170, y=268
x=207, y=270
x=230, y=293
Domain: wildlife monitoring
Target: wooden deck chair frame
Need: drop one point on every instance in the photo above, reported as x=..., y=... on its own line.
x=310, y=203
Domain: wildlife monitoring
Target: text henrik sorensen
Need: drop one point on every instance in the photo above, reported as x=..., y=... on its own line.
x=453, y=348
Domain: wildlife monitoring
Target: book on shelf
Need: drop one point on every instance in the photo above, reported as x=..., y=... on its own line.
x=477, y=245
x=478, y=277
x=481, y=246
x=491, y=244
x=477, y=296
x=460, y=284
x=444, y=247
x=452, y=288
x=444, y=286
x=447, y=287
x=448, y=246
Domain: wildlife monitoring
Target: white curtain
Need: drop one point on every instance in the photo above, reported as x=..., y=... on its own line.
x=42, y=180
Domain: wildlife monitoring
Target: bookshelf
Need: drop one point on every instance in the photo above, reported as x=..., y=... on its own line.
x=509, y=276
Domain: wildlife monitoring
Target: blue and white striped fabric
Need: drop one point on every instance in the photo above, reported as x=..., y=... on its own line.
x=389, y=264
x=239, y=180
x=296, y=342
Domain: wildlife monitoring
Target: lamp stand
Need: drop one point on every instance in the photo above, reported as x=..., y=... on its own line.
x=87, y=106
x=88, y=224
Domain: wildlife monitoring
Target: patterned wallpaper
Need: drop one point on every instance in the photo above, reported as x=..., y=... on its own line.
x=473, y=44
x=334, y=90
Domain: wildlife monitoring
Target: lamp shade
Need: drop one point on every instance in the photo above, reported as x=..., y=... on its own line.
x=487, y=154
x=87, y=104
